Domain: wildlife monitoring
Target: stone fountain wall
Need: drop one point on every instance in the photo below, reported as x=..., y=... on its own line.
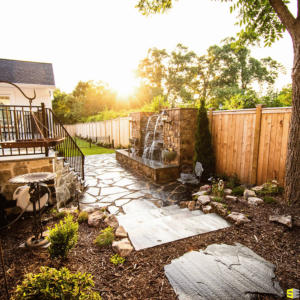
x=179, y=134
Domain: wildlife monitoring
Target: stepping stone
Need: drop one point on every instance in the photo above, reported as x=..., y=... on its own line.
x=121, y=202
x=101, y=184
x=113, y=209
x=87, y=198
x=91, y=182
x=109, y=181
x=222, y=272
x=109, y=175
x=136, y=206
x=93, y=191
x=112, y=198
x=136, y=195
x=124, y=182
x=112, y=190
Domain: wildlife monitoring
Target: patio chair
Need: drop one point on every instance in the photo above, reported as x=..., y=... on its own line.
x=190, y=181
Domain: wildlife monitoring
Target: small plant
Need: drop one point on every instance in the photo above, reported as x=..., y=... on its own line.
x=218, y=188
x=217, y=199
x=53, y=211
x=271, y=188
x=225, y=206
x=205, y=194
x=229, y=212
x=269, y=200
x=238, y=191
x=195, y=198
x=105, y=238
x=119, y=147
x=117, y=259
x=63, y=237
x=56, y=284
x=83, y=217
x=103, y=209
x=60, y=215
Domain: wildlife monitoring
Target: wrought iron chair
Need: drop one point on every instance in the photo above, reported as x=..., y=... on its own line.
x=190, y=181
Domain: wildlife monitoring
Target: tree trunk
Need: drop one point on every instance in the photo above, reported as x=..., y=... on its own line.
x=292, y=171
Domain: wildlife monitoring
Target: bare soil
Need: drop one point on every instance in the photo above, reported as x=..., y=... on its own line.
x=142, y=274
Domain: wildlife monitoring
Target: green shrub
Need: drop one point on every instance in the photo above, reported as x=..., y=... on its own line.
x=217, y=190
x=119, y=147
x=203, y=148
x=60, y=215
x=270, y=188
x=83, y=217
x=269, y=200
x=105, y=238
x=225, y=206
x=56, y=284
x=63, y=237
x=217, y=199
x=223, y=176
x=238, y=191
x=117, y=259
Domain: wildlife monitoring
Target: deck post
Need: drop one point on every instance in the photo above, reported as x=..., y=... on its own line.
x=45, y=129
x=259, y=108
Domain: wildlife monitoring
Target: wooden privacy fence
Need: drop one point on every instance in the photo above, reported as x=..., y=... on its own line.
x=116, y=129
x=251, y=142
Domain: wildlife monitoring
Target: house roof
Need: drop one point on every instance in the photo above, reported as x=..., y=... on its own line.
x=28, y=72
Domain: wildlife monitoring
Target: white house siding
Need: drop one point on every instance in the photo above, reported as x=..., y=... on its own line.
x=43, y=94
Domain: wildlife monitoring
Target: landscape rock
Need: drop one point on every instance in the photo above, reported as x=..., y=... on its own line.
x=120, y=232
x=205, y=188
x=227, y=191
x=248, y=193
x=255, y=201
x=89, y=209
x=95, y=218
x=199, y=193
x=204, y=200
x=123, y=247
x=284, y=219
x=237, y=218
x=206, y=209
x=198, y=206
x=218, y=208
x=111, y=221
x=68, y=210
x=258, y=188
x=231, y=198
x=191, y=205
x=184, y=204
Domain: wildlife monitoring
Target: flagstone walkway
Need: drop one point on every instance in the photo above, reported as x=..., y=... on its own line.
x=113, y=185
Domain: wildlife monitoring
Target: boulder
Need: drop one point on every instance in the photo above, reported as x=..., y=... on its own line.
x=68, y=210
x=218, y=208
x=123, y=247
x=111, y=221
x=199, y=193
x=206, y=209
x=89, y=209
x=198, y=206
x=120, y=232
x=231, y=198
x=255, y=201
x=191, y=205
x=227, y=191
x=205, y=188
x=184, y=204
x=257, y=188
x=284, y=219
x=203, y=200
x=237, y=218
x=248, y=193
x=95, y=218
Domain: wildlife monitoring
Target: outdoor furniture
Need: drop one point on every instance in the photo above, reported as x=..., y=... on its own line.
x=190, y=181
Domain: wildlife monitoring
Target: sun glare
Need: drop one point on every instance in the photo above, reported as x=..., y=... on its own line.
x=124, y=85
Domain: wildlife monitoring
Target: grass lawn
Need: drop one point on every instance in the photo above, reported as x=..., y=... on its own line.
x=86, y=150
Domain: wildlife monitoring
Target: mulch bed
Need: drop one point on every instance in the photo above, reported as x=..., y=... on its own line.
x=142, y=274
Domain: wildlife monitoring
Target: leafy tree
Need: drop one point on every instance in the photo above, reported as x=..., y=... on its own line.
x=203, y=148
x=265, y=20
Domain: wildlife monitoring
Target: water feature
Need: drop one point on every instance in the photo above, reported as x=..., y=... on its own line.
x=154, y=139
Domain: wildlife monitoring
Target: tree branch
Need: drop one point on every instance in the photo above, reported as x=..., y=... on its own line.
x=284, y=14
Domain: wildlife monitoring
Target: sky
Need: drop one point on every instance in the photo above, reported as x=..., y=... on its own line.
x=106, y=39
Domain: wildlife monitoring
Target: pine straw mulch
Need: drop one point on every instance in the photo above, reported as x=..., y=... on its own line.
x=142, y=274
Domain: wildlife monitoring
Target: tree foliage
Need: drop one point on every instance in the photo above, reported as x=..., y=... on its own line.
x=203, y=147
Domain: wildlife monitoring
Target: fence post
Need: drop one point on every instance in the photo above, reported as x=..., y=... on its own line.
x=119, y=123
x=210, y=117
x=111, y=128
x=256, y=142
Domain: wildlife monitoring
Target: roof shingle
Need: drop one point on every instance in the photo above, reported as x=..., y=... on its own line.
x=28, y=72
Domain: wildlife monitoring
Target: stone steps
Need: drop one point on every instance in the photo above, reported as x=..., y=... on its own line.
x=154, y=227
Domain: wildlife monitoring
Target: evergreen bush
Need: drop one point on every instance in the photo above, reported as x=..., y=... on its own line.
x=63, y=237
x=203, y=147
x=56, y=284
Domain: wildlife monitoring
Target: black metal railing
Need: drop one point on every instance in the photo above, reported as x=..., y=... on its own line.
x=18, y=124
